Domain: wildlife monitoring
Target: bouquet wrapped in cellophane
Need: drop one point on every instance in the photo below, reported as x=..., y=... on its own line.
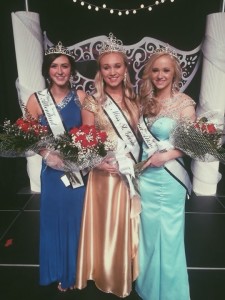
x=82, y=147
x=202, y=139
x=22, y=138
x=79, y=149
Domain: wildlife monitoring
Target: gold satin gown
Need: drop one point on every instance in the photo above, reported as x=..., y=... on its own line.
x=108, y=238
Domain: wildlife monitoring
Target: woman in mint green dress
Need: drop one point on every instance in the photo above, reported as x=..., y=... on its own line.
x=163, y=183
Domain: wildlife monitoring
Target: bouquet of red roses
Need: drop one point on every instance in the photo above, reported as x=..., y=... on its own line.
x=202, y=139
x=82, y=147
x=22, y=137
x=209, y=131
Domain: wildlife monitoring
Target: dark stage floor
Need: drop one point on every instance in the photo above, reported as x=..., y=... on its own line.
x=19, y=238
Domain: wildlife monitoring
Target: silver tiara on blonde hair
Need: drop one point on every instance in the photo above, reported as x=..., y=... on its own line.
x=60, y=49
x=112, y=44
x=166, y=50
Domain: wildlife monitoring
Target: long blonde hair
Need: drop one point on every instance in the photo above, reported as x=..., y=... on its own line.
x=150, y=106
x=128, y=90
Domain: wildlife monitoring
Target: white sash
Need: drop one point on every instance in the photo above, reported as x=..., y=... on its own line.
x=122, y=127
x=51, y=112
x=55, y=123
x=127, y=143
x=175, y=167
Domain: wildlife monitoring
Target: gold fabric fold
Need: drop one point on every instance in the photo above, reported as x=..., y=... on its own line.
x=109, y=235
x=135, y=223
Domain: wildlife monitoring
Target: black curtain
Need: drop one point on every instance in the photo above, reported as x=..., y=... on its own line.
x=181, y=24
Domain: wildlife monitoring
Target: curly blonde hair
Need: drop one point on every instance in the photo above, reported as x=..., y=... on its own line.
x=150, y=106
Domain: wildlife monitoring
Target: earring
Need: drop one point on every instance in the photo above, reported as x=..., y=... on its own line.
x=48, y=81
x=175, y=88
x=72, y=84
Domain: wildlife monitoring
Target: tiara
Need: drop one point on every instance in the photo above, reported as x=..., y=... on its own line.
x=166, y=50
x=60, y=49
x=112, y=44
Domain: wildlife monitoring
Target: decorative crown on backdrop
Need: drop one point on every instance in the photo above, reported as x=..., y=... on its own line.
x=112, y=44
x=166, y=50
x=60, y=49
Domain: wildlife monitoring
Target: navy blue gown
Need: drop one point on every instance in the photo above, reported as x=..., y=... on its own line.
x=60, y=212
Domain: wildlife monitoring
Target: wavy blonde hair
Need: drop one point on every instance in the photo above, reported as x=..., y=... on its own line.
x=128, y=90
x=150, y=106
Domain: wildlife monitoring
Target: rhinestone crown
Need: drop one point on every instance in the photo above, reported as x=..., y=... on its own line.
x=60, y=49
x=112, y=44
x=166, y=50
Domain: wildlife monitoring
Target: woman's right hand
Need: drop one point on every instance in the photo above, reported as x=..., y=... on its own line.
x=52, y=159
x=109, y=165
x=147, y=164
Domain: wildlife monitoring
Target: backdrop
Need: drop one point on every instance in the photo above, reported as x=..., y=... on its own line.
x=180, y=23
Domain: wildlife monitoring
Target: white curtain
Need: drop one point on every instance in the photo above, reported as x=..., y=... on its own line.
x=28, y=40
x=212, y=96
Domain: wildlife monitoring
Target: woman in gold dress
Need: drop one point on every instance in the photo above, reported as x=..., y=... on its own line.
x=109, y=232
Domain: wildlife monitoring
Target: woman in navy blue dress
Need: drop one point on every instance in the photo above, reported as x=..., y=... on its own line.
x=61, y=206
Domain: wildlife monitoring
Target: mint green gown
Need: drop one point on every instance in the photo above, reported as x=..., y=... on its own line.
x=162, y=261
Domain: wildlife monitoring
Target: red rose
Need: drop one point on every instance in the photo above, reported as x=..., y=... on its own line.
x=19, y=121
x=25, y=127
x=102, y=136
x=204, y=127
x=86, y=128
x=211, y=128
x=73, y=131
x=196, y=125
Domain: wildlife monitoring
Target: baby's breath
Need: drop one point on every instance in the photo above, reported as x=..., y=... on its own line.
x=22, y=137
x=201, y=140
x=83, y=147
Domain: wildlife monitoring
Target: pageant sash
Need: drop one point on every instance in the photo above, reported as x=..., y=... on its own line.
x=55, y=123
x=122, y=127
x=175, y=167
x=150, y=141
x=127, y=143
x=51, y=112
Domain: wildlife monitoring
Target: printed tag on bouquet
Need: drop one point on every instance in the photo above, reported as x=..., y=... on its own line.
x=65, y=180
x=76, y=180
x=73, y=178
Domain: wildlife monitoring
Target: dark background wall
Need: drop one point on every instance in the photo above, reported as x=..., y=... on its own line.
x=181, y=24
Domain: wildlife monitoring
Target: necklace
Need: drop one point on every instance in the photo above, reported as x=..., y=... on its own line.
x=119, y=100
